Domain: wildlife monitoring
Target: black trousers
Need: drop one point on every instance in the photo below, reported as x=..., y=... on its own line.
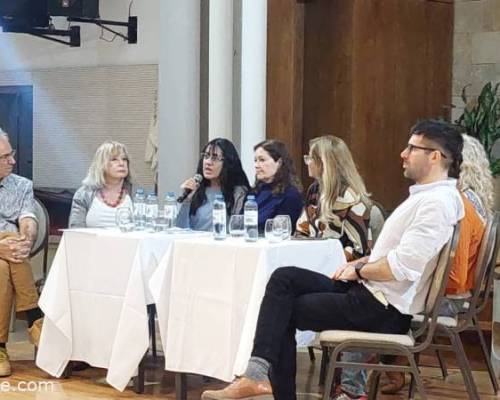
x=296, y=298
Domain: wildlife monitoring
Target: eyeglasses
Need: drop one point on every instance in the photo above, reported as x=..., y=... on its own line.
x=412, y=147
x=5, y=157
x=307, y=159
x=212, y=157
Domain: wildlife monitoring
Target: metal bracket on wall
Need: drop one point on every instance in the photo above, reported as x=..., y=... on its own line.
x=131, y=25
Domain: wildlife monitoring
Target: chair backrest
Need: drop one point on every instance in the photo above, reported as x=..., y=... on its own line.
x=377, y=219
x=42, y=237
x=439, y=281
x=486, y=263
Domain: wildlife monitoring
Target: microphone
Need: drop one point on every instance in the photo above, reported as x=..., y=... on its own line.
x=198, y=178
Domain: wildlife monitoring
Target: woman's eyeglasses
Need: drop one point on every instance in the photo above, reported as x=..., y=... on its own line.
x=212, y=157
x=307, y=159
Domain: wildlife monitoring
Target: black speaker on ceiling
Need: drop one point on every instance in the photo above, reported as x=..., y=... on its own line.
x=74, y=8
x=30, y=13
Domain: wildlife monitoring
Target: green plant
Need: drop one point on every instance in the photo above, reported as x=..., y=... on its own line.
x=481, y=119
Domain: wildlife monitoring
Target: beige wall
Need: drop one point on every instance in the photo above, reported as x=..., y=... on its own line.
x=476, y=58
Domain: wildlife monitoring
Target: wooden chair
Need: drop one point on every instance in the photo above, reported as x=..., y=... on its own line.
x=337, y=341
x=452, y=327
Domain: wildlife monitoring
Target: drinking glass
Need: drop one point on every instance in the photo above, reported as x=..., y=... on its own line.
x=271, y=232
x=125, y=219
x=237, y=226
x=285, y=224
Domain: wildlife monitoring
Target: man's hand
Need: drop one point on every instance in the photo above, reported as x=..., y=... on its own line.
x=14, y=249
x=346, y=272
x=22, y=247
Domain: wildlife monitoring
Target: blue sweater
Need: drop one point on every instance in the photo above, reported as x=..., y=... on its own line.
x=270, y=205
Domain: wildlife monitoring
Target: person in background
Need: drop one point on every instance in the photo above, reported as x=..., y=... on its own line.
x=18, y=230
x=106, y=187
x=475, y=183
x=337, y=204
x=277, y=187
x=222, y=172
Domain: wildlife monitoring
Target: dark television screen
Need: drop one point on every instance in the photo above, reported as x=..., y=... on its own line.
x=24, y=13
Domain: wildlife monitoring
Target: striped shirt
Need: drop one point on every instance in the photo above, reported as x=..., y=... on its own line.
x=350, y=225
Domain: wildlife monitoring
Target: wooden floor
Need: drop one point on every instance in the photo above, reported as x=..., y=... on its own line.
x=90, y=384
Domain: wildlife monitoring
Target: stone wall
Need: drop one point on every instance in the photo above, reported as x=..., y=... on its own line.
x=476, y=49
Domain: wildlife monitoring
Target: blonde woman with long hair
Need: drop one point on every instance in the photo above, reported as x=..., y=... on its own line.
x=106, y=187
x=337, y=203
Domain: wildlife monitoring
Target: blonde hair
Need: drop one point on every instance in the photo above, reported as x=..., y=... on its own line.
x=96, y=178
x=475, y=173
x=338, y=172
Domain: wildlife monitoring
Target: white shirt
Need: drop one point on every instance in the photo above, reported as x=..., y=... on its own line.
x=101, y=215
x=412, y=238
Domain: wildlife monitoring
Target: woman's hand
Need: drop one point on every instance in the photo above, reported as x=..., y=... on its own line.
x=191, y=184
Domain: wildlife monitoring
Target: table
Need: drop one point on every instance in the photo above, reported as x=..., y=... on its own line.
x=208, y=295
x=95, y=298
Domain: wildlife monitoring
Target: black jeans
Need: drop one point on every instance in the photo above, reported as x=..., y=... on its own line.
x=297, y=298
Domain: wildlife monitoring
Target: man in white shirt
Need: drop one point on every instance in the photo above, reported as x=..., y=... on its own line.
x=376, y=294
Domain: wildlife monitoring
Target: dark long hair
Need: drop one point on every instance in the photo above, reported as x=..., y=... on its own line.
x=285, y=175
x=231, y=175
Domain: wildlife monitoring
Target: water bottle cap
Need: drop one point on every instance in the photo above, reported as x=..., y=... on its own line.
x=219, y=197
x=139, y=190
x=251, y=197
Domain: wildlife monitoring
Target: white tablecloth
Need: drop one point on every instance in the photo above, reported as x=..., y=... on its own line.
x=94, y=301
x=208, y=295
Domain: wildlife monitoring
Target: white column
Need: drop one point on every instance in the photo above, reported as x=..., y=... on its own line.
x=179, y=92
x=253, y=79
x=220, y=72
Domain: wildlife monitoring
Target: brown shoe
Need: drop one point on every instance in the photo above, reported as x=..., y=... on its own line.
x=5, y=369
x=35, y=331
x=397, y=382
x=241, y=388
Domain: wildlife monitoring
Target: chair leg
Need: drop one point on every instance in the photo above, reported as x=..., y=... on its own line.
x=325, y=358
x=312, y=356
x=180, y=386
x=470, y=385
x=68, y=370
x=329, y=375
x=152, y=328
x=442, y=364
x=374, y=384
x=415, y=377
x=139, y=380
x=486, y=355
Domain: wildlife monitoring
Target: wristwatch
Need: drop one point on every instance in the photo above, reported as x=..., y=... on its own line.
x=358, y=267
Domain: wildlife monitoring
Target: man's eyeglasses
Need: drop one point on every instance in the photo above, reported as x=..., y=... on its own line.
x=5, y=157
x=212, y=157
x=412, y=147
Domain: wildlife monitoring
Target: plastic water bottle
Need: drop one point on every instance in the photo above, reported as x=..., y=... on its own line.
x=170, y=210
x=219, y=218
x=251, y=217
x=139, y=209
x=151, y=211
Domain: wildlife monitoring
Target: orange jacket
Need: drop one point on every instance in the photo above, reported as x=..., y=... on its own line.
x=464, y=265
